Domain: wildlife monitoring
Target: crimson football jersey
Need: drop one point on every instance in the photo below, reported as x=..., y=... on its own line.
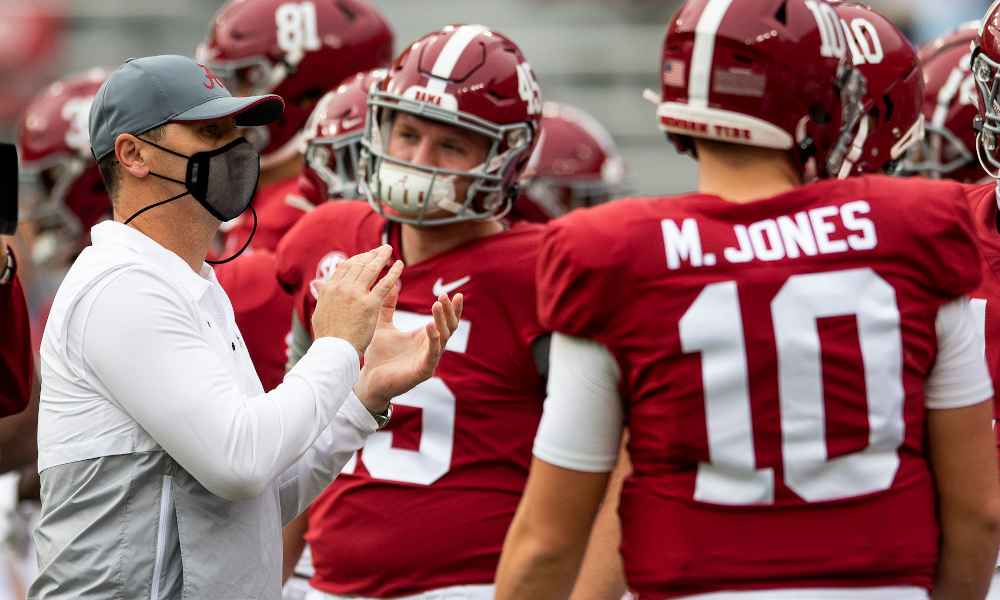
x=428, y=500
x=275, y=216
x=263, y=311
x=773, y=357
x=526, y=210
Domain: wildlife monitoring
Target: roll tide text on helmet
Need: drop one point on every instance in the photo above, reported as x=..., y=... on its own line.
x=985, y=63
x=297, y=50
x=332, y=140
x=61, y=189
x=765, y=73
x=465, y=76
x=575, y=164
x=950, y=108
x=893, y=104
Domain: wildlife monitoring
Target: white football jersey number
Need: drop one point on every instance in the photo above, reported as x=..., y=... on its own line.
x=713, y=326
x=961, y=81
x=297, y=31
x=437, y=434
x=864, y=48
x=831, y=36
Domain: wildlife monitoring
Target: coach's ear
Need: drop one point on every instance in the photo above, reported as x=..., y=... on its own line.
x=131, y=154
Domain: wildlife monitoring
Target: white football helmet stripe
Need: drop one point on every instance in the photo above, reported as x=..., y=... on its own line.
x=450, y=54
x=982, y=25
x=704, y=51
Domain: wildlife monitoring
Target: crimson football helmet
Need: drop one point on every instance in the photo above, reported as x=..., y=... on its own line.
x=297, y=50
x=950, y=108
x=893, y=104
x=61, y=189
x=575, y=164
x=465, y=76
x=765, y=73
x=332, y=139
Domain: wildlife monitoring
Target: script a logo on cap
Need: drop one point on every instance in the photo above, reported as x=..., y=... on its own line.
x=212, y=79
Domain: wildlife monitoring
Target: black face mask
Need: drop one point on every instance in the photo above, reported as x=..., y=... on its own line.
x=223, y=181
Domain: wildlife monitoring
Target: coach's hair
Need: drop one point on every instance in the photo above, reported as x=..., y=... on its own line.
x=110, y=171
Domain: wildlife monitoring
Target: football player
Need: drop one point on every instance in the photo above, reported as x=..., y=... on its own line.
x=426, y=504
x=893, y=100
x=299, y=51
x=958, y=105
x=62, y=194
x=959, y=71
x=332, y=139
x=575, y=164
x=950, y=107
x=809, y=412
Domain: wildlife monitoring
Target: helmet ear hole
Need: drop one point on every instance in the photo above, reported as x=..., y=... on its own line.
x=887, y=100
x=348, y=13
x=782, y=15
x=819, y=116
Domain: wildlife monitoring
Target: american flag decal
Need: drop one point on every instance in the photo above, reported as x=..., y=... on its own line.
x=673, y=73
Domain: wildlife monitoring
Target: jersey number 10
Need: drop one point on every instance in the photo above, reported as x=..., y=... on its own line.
x=713, y=326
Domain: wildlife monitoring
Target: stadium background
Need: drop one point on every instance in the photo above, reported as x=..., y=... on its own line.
x=596, y=54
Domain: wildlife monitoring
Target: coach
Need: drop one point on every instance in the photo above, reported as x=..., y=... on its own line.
x=166, y=470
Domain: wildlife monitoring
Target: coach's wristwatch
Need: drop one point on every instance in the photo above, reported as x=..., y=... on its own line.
x=10, y=267
x=382, y=419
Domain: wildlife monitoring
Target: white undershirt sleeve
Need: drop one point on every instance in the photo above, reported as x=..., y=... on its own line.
x=959, y=376
x=150, y=356
x=582, y=421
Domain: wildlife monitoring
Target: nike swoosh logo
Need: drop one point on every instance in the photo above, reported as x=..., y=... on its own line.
x=348, y=124
x=440, y=287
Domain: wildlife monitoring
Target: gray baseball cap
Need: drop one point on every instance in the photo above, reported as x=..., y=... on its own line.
x=148, y=92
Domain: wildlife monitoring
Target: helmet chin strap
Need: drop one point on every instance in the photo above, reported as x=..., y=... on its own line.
x=856, y=148
x=979, y=155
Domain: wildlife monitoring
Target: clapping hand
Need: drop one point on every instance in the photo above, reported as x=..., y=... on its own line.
x=396, y=361
x=350, y=304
